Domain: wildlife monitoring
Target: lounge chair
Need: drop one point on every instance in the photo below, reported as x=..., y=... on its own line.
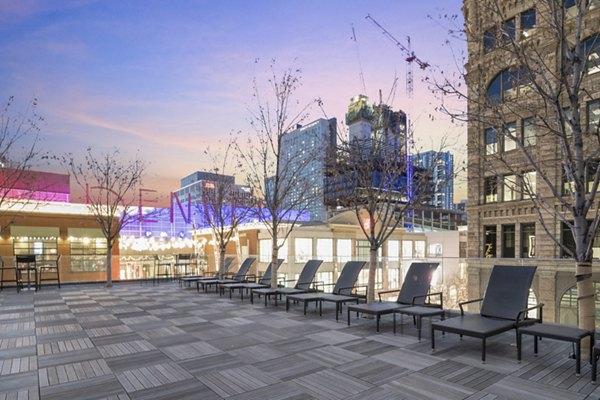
x=190, y=279
x=344, y=288
x=414, y=291
x=263, y=282
x=303, y=285
x=504, y=307
x=239, y=276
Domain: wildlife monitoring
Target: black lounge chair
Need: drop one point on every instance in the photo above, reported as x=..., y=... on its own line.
x=414, y=291
x=215, y=275
x=303, y=285
x=263, y=282
x=240, y=276
x=343, y=291
x=504, y=307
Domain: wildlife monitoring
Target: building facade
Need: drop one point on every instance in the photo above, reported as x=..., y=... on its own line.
x=516, y=137
x=441, y=165
x=196, y=186
x=305, y=150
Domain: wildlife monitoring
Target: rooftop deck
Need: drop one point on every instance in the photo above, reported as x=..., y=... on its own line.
x=165, y=342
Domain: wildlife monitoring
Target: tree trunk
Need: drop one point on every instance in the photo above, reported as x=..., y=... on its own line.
x=585, y=299
x=274, y=266
x=221, y=262
x=372, y=275
x=109, y=266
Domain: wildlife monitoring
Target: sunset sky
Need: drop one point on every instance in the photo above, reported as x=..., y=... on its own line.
x=170, y=78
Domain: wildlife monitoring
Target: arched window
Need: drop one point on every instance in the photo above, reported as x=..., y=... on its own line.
x=591, y=51
x=568, y=306
x=505, y=84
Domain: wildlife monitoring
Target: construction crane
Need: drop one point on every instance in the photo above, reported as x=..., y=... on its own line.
x=410, y=55
x=360, y=70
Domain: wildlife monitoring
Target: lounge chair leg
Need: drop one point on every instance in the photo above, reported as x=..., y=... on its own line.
x=483, y=351
x=432, y=339
x=348, y=317
x=287, y=304
x=419, y=319
x=394, y=321
x=378, y=317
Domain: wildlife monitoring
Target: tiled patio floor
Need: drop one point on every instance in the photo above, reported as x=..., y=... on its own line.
x=165, y=342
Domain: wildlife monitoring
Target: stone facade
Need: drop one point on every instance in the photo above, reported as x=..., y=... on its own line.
x=503, y=224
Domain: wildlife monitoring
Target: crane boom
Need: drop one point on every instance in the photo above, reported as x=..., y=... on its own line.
x=410, y=55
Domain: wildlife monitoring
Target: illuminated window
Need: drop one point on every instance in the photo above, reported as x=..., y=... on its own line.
x=527, y=240
x=510, y=132
x=528, y=22
x=303, y=249
x=490, y=189
x=510, y=188
x=489, y=244
x=325, y=249
x=88, y=250
x=508, y=241
x=344, y=250
x=407, y=249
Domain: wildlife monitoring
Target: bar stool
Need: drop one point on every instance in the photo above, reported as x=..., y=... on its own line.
x=49, y=264
x=12, y=268
x=26, y=263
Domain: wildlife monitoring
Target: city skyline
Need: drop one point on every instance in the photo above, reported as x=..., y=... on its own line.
x=172, y=79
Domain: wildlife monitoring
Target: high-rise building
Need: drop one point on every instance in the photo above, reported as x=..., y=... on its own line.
x=196, y=186
x=517, y=137
x=305, y=150
x=441, y=165
x=376, y=125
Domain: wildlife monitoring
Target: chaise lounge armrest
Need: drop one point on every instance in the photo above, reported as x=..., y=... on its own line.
x=522, y=315
x=428, y=302
x=387, y=292
x=353, y=290
x=462, y=303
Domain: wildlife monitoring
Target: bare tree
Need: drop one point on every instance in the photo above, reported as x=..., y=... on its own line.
x=537, y=71
x=19, y=151
x=110, y=183
x=374, y=176
x=277, y=176
x=224, y=206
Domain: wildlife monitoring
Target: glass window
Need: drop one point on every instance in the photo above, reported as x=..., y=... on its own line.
x=593, y=116
x=570, y=3
x=568, y=116
x=590, y=174
x=528, y=127
x=393, y=250
x=529, y=184
x=510, y=133
x=489, y=249
x=265, y=250
x=591, y=47
x=527, y=240
x=344, y=250
x=407, y=249
x=419, y=249
x=362, y=249
x=491, y=141
x=567, y=241
x=489, y=40
x=527, y=22
x=508, y=241
x=303, y=249
x=435, y=249
x=490, y=189
x=325, y=249
x=508, y=30
x=510, y=188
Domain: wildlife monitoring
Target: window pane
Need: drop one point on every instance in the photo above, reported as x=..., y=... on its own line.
x=510, y=188
x=489, y=40
x=593, y=116
x=489, y=249
x=529, y=184
x=491, y=141
x=303, y=249
x=527, y=21
x=264, y=250
x=508, y=241
x=407, y=249
x=393, y=250
x=419, y=248
x=490, y=189
x=325, y=249
x=510, y=132
x=344, y=250
x=529, y=138
x=527, y=240
x=508, y=30
x=591, y=47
